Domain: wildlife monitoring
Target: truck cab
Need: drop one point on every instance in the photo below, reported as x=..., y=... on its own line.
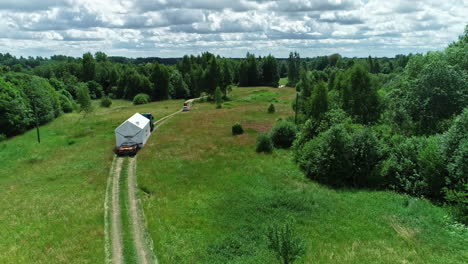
x=151, y=119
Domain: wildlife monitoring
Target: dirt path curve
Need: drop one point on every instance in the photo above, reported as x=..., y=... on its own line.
x=143, y=246
x=113, y=220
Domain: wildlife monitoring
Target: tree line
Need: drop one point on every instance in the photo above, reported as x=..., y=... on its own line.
x=63, y=83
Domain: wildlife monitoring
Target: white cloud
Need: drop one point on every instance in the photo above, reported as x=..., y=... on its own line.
x=228, y=27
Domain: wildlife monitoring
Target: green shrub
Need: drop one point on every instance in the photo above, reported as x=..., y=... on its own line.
x=400, y=169
x=284, y=242
x=271, y=109
x=141, y=98
x=106, y=101
x=2, y=137
x=459, y=201
x=344, y=155
x=95, y=89
x=455, y=150
x=365, y=155
x=283, y=134
x=264, y=143
x=326, y=158
x=237, y=129
x=218, y=98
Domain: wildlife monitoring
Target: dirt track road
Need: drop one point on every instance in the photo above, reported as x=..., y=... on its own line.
x=113, y=212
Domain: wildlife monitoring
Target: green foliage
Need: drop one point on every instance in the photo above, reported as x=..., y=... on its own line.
x=271, y=109
x=285, y=243
x=317, y=106
x=141, y=98
x=415, y=166
x=455, y=151
x=294, y=66
x=95, y=89
x=365, y=155
x=212, y=76
x=177, y=86
x=218, y=98
x=160, y=81
x=429, y=92
x=459, y=200
x=89, y=67
x=359, y=97
x=83, y=98
x=15, y=112
x=66, y=103
x=305, y=85
x=326, y=157
x=283, y=134
x=237, y=129
x=270, y=74
x=106, y=101
x=264, y=143
x=248, y=71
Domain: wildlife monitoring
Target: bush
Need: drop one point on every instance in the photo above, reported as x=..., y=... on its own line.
x=141, y=98
x=66, y=104
x=283, y=134
x=264, y=143
x=459, y=201
x=95, y=89
x=2, y=137
x=106, y=101
x=365, y=154
x=326, y=158
x=237, y=129
x=271, y=109
x=344, y=155
x=218, y=98
x=283, y=241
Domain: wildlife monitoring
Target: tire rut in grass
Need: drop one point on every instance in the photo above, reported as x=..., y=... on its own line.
x=115, y=219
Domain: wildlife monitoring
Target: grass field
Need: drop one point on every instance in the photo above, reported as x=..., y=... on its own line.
x=53, y=192
x=209, y=198
x=283, y=81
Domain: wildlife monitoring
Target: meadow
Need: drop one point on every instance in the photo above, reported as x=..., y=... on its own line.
x=210, y=198
x=53, y=192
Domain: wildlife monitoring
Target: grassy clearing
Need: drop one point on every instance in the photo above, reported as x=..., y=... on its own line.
x=53, y=193
x=283, y=81
x=209, y=198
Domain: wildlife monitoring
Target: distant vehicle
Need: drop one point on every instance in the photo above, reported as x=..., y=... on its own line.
x=127, y=148
x=151, y=119
x=186, y=107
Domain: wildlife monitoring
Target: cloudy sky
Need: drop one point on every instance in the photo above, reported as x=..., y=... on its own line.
x=172, y=28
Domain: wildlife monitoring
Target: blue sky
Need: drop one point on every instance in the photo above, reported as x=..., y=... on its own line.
x=172, y=28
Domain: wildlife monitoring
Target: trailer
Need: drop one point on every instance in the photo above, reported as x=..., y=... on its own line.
x=135, y=130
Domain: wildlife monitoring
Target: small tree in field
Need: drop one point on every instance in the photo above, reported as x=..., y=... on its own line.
x=237, y=129
x=218, y=97
x=264, y=143
x=83, y=98
x=283, y=241
x=106, y=101
x=271, y=109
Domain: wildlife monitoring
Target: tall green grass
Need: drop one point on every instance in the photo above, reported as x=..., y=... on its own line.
x=53, y=192
x=213, y=198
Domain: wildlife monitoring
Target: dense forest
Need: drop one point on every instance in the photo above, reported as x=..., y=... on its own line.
x=387, y=123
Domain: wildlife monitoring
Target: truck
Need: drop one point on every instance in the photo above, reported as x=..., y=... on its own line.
x=151, y=119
